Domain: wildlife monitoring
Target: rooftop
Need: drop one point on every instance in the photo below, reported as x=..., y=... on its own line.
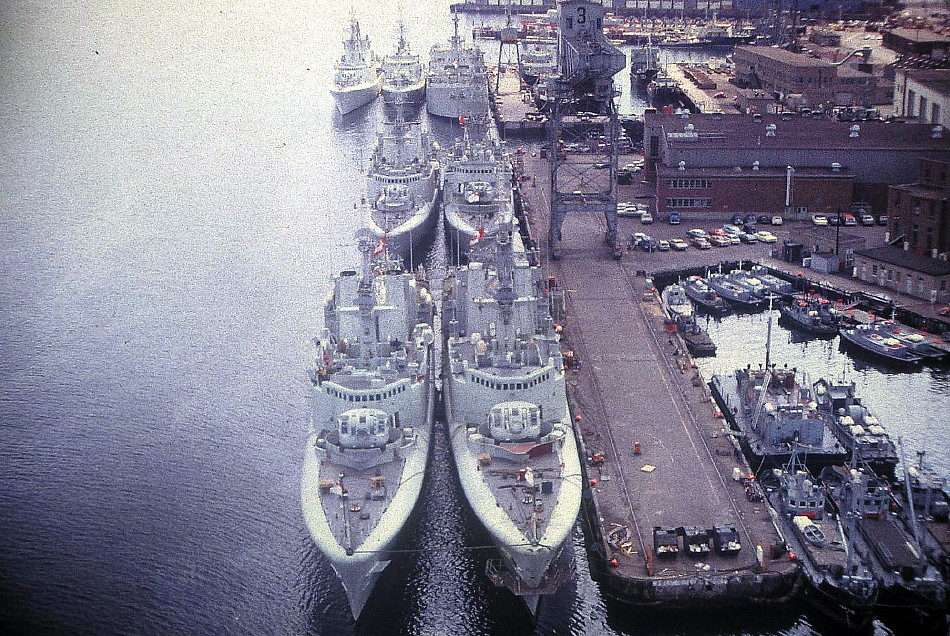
x=785, y=57
x=747, y=172
x=734, y=130
x=936, y=79
x=908, y=259
x=919, y=35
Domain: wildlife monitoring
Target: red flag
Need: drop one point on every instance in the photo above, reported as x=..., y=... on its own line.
x=479, y=235
x=461, y=120
x=380, y=247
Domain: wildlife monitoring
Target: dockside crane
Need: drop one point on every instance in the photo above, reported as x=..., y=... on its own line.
x=583, y=116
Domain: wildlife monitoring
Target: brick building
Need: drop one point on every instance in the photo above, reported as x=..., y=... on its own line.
x=834, y=163
x=802, y=79
x=919, y=213
x=904, y=271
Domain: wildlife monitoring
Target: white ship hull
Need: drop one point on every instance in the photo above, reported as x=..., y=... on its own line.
x=350, y=98
x=359, y=571
x=531, y=563
x=404, y=94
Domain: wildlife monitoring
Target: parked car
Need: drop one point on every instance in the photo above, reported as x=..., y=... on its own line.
x=749, y=229
x=719, y=241
x=635, y=239
x=663, y=245
x=732, y=238
x=777, y=220
x=697, y=233
x=747, y=237
x=678, y=244
x=765, y=219
x=630, y=209
x=675, y=218
x=699, y=242
x=765, y=236
x=867, y=219
x=834, y=219
x=819, y=219
x=882, y=220
x=717, y=231
x=750, y=219
x=646, y=218
x=737, y=219
x=728, y=228
x=648, y=244
x=848, y=220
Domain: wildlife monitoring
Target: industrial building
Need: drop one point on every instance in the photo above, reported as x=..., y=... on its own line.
x=923, y=93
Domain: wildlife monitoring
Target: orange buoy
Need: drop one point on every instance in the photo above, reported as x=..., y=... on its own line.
x=718, y=414
x=792, y=556
x=614, y=562
x=593, y=482
x=636, y=448
x=577, y=418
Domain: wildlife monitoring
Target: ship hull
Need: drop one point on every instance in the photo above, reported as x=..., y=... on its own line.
x=529, y=571
x=855, y=343
x=359, y=571
x=404, y=95
x=412, y=240
x=351, y=98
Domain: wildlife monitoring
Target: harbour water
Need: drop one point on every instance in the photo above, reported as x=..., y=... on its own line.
x=176, y=191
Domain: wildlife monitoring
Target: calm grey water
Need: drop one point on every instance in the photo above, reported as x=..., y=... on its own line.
x=175, y=191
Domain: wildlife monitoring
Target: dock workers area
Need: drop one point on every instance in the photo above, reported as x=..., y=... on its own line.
x=661, y=469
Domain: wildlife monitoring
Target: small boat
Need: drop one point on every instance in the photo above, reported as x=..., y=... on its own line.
x=774, y=410
x=749, y=281
x=856, y=427
x=840, y=585
x=776, y=285
x=696, y=338
x=734, y=293
x=915, y=340
x=644, y=63
x=676, y=302
x=910, y=586
x=811, y=314
x=703, y=295
x=875, y=340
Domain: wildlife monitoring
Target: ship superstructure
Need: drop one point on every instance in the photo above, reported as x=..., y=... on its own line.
x=357, y=78
x=402, y=190
x=371, y=421
x=477, y=194
x=457, y=81
x=404, y=80
x=509, y=424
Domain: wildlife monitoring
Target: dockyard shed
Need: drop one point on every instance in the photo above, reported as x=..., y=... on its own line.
x=904, y=271
x=878, y=154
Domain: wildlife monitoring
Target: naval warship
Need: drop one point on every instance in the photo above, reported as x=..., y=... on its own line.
x=509, y=425
x=357, y=79
x=457, y=82
x=402, y=191
x=371, y=420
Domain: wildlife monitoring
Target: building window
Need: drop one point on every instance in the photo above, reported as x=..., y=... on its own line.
x=688, y=184
x=911, y=100
x=672, y=203
x=935, y=113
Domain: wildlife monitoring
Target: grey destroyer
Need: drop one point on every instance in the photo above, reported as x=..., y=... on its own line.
x=402, y=191
x=509, y=425
x=477, y=194
x=404, y=81
x=371, y=420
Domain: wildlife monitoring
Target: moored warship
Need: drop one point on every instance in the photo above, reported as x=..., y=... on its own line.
x=371, y=420
x=509, y=425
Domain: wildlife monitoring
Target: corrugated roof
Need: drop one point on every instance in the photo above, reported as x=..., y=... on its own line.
x=908, y=259
x=727, y=130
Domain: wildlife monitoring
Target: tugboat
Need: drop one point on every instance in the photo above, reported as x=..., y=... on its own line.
x=736, y=294
x=509, y=425
x=910, y=587
x=372, y=417
x=840, y=585
x=402, y=191
x=813, y=315
x=856, y=427
x=704, y=296
x=875, y=340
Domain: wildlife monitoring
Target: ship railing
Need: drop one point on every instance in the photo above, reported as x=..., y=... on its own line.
x=561, y=571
